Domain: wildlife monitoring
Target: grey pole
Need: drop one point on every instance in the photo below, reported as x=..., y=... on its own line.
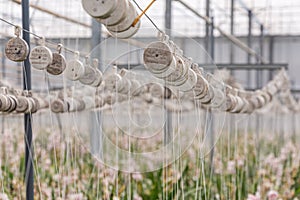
x=168, y=17
x=96, y=120
x=207, y=25
x=258, y=85
x=210, y=129
x=168, y=114
x=231, y=29
x=249, y=40
x=27, y=117
x=271, y=53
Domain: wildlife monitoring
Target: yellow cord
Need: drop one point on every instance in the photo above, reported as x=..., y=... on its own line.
x=139, y=17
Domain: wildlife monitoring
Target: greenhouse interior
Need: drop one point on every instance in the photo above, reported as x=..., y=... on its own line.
x=98, y=98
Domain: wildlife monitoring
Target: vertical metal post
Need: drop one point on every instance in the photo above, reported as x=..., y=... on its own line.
x=249, y=41
x=27, y=118
x=231, y=30
x=212, y=40
x=168, y=17
x=271, y=53
x=96, y=127
x=207, y=25
x=259, y=75
x=259, y=85
x=168, y=115
x=210, y=129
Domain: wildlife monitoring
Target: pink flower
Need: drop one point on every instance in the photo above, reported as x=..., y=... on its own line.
x=272, y=195
x=253, y=197
x=3, y=196
x=231, y=167
x=78, y=196
x=137, y=176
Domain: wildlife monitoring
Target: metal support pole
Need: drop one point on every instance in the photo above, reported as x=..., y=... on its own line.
x=212, y=40
x=211, y=130
x=271, y=53
x=96, y=136
x=27, y=117
x=259, y=85
x=168, y=17
x=168, y=115
x=261, y=47
x=231, y=29
x=249, y=41
x=207, y=13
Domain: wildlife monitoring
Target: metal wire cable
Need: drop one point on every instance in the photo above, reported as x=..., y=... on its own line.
x=152, y=22
x=49, y=42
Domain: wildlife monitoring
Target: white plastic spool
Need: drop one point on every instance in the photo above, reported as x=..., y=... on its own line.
x=127, y=33
x=74, y=69
x=239, y=105
x=157, y=90
x=4, y=100
x=158, y=58
x=111, y=80
x=16, y=49
x=208, y=96
x=98, y=74
x=99, y=8
x=126, y=23
x=40, y=57
x=58, y=64
x=117, y=15
x=189, y=83
x=89, y=75
x=179, y=75
x=59, y=106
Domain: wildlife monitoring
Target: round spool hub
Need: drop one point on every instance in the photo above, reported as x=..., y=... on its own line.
x=166, y=72
x=98, y=79
x=111, y=81
x=40, y=57
x=74, y=70
x=157, y=90
x=201, y=87
x=59, y=106
x=158, y=57
x=218, y=99
x=89, y=76
x=125, y=24
x=230, y=102
x=117, y=15
x=209, y=96
x=14, y=103
x=16, y=49
x=99, y=8
x=34, y=107
x=127, y=33
x=239, y=105
x=4, y=102
x=58, y=64
x=123, y=86
x=180, y=71
x=190, y=82
x=23, y=104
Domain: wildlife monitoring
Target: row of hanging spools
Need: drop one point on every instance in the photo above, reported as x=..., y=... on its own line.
x=180, y=76
x=41, y=58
